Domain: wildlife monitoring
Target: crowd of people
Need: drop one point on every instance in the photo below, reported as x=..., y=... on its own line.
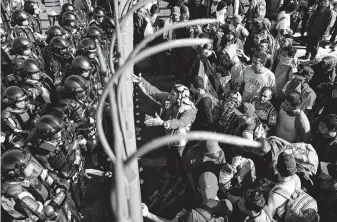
x=255, y=87
x=249, y=83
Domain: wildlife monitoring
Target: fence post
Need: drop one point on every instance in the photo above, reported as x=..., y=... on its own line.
x=134, y=202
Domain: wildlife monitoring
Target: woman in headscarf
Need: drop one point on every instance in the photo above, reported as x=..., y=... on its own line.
x=176, y=116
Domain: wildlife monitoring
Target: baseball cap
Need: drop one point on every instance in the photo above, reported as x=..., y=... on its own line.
x=211, y=147
x=208, y=182
x=245, y=109
x=286, y=165
x=306, y=72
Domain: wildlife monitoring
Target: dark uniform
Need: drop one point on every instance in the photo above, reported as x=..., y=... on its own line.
x=69, y=24
x=17, y=120
x=57, y=148
x=30, y=193
x=38, y=85
x=58, y=59
x=81, y=110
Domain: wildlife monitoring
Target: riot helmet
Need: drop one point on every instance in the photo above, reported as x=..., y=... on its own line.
x=69, y=19
x=54, y=31
x=67, y=7
x=94, y=33
x=30, y=69
x=22, y=46
x=81, y=66
x=88, y=48
x=77, y=86
x=99, y=14
x=20, y=18
x=49, y=127
x=108, y=25
x=15, y=97
x=59, y=46
x=19, y=164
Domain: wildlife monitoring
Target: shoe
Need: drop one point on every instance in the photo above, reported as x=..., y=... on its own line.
x=305, y=57
x=333, y=45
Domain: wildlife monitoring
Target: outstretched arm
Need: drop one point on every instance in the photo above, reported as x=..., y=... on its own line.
x=148, y=89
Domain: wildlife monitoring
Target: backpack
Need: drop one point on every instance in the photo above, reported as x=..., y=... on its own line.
x=216, y=105
x=212, y=217
x=300, y=206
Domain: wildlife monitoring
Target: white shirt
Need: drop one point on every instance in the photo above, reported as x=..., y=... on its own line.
x=253, y=83
x=285, y=22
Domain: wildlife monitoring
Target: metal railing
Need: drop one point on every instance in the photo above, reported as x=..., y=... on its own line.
x=126, y=181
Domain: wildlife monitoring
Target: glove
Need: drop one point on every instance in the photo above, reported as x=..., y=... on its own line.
x=49, y=212
x=63, y=184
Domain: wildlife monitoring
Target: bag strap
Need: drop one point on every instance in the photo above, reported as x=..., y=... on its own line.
x=202, y=211
x=288, y=73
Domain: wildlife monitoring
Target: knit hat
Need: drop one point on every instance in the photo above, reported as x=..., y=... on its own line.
x=286, y=165
x=221, y=5
x=208, y=183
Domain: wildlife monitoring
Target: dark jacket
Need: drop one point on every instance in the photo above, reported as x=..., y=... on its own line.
x=319, y=22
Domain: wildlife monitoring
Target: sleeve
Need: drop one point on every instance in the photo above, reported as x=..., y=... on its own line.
x=186, y=119
x=166, y=24
x=244, y=32
x=273, y=83
x=311, y=100
x=8, y=122
x=153, y=91
x=302, y=126
x=28, y=202
x=272, y=119
x=206, y=109
x=284, y=24
x=249, y=128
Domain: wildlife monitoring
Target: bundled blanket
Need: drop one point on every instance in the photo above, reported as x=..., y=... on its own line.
x=304, y=154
